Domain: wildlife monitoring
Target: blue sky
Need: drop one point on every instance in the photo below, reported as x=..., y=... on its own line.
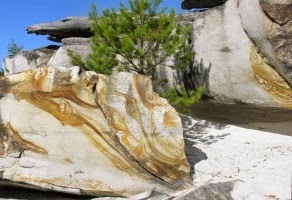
x=16, y=15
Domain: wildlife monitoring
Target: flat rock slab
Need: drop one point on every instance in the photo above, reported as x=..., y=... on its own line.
x=65, y=28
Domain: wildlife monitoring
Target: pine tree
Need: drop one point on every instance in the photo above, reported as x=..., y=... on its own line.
x=138, y=38
x=13, y=48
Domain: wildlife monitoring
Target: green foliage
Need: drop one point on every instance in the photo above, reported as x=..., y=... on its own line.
x=181, y=99
x=137, y=39
x=13, y=48
x=76, y=59
x=1, y=73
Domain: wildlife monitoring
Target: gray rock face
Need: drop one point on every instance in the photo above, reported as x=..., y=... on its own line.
x=77, y=45
x=189, y=4
x=279, y=28
x=250, y=11
x=65, y=28
x=218, y=191
x=235, y=58
x=28, y=60
x=53, y=56
x=279, y=12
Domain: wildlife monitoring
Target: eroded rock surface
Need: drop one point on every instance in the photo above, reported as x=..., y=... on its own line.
x=237, y=48
x=26, y=60
x=279, y=11
x=81, y=46
x=65, y=28
x=89, y=134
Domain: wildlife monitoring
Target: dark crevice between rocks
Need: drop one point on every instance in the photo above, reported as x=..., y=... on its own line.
x=29, y=194
x=201, y=4
x=48, y=49
x=9, y=191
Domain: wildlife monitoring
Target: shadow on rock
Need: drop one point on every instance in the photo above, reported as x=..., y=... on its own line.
x=270, y=119
x=11, y=192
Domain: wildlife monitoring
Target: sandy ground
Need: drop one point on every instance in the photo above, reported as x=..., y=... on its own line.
x=260, y=161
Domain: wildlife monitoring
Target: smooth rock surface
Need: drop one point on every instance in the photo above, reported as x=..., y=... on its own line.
x=81, y=46
x=89, y=134
x=65, y=28
x=235, y=58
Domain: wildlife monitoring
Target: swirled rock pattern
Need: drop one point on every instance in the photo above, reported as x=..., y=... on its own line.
x=84, y=133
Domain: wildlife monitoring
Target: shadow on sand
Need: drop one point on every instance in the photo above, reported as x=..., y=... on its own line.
x=194, y=133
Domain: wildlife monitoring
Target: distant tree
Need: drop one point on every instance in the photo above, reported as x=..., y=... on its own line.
x=138, y=39
x=1, y=72
x=13, y=48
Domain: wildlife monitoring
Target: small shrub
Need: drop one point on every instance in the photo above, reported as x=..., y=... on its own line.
x=13, y=48
x=1, y=73
x=182, y=99
x=76, y=59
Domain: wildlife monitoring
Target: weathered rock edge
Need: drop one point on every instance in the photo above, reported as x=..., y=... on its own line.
x=84, y=133
x=65, y=28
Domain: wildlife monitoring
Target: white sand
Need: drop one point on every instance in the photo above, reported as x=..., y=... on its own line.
x=261, y=161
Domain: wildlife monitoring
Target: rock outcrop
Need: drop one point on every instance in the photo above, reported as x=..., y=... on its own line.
x=81, y=46
x=279, y=12
x=279, y=28
x=235, y=56
x=89, y=134
x=28, y=60
x=65, y=28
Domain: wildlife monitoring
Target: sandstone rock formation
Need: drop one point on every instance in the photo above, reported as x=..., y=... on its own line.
x=65, y=28
x=28, y=60
x=78, y=45
x=89, y=134
x=235, y=56
x=279, y=28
